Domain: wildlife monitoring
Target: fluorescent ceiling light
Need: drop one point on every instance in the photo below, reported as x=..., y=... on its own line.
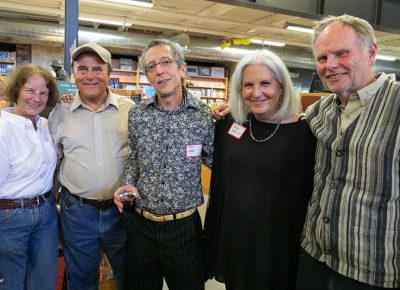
x=95, y=36
x=140, y=3
x=385, y=57
x=104, y=21
x=299, y=28
x=266, y=42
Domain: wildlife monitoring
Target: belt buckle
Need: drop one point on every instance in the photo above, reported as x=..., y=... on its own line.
x=38, y=200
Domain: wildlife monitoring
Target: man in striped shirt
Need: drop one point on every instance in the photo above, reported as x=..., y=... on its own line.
x=351, y=237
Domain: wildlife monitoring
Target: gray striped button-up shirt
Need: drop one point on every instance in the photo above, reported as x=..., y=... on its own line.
x=353, y=219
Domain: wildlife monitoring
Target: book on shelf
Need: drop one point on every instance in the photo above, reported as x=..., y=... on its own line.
x=127, y=64
x=218, y=72
x=114, y=83
x=115, y=63
x=6, y=68
x=9, y=56
x=204, y=71
x=148, y=90
x=143, y=78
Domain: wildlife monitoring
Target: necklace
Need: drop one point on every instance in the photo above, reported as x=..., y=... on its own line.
x=267, y=138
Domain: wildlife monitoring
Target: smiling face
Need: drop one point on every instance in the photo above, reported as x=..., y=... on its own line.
x=343, y=63
x=165, y=75
x=32, y=97
x=261, y=92
x=91, y=77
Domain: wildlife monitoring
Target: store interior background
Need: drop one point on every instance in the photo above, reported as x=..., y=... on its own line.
x=36, y=30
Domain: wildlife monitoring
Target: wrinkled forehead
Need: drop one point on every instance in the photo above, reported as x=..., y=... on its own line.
x=158, y=52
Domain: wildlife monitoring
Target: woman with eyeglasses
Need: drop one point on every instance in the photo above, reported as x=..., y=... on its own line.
x=28, y=215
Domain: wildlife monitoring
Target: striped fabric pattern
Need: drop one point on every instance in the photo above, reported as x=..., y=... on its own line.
x=353, y=220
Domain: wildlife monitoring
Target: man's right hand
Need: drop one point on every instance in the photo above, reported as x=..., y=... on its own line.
x=122, y=189
x=221, y=111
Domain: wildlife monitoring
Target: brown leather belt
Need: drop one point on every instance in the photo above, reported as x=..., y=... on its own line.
x=23, y=202
x=99, y=204
x=164, y=218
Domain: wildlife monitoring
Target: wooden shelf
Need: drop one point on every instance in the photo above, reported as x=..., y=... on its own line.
x=209, y=88
x=206, y=77
x=206, y=87
x=7, y=62
x=6, y=67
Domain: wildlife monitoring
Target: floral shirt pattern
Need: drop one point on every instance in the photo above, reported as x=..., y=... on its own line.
x=168, y=148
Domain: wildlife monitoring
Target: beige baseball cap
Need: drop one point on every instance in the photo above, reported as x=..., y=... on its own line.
x=103, y=53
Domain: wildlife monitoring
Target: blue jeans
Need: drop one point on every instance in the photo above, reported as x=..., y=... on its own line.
x=86, y=230
x=29, y=247
x=315, y=275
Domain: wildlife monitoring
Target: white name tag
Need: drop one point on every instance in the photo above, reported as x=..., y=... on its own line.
x=193, y=150
x=236, y=130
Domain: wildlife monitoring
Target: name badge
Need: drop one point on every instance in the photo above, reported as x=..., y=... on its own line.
x=193, y=150
x=236, y=130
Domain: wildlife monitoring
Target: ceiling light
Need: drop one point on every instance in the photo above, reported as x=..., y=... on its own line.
x=385, y=57
x=97, y=36
x=104, y=21
x=267, y=42
x=140, y=3
x=299, y=28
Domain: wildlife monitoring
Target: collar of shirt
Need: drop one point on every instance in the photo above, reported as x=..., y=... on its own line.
x=365, y=94
x=110, y=100
x=188, y=101
x=19, y=121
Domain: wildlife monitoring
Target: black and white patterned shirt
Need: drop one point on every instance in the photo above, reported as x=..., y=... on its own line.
x=168, y=148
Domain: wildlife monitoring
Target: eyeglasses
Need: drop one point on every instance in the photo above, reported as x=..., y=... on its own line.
x=164, y=62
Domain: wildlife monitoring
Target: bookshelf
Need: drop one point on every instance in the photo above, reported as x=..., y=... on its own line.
x=124, y=75
x=209, y=89
x=7, y=61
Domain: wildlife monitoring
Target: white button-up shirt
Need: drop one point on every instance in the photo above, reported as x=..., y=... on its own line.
x=27, y=156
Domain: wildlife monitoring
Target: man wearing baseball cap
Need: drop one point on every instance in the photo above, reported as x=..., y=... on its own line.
x=91, y=137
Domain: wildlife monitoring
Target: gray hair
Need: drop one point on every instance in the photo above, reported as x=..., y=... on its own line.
x=175, y=47
x=290, y=102
x=363, y=29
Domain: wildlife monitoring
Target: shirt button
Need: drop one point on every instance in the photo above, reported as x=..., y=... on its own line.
x=326, y=220
x=339, y=153
x=333, y=185
x=328, y=252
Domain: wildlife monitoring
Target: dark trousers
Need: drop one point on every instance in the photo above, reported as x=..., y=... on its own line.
x=314, y=275
x=172, y=250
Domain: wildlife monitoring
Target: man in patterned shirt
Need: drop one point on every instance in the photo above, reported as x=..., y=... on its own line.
x=170, y=135
x=352, y=230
